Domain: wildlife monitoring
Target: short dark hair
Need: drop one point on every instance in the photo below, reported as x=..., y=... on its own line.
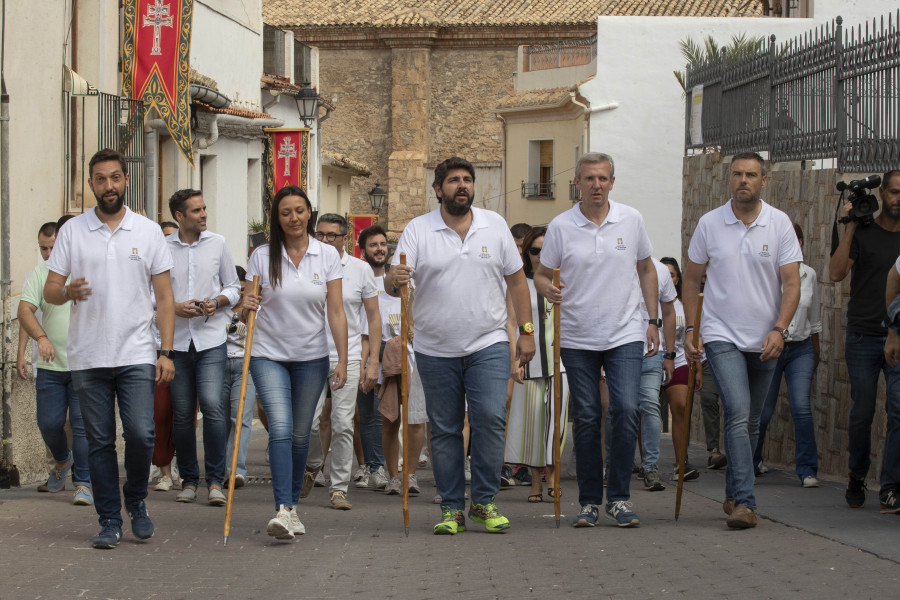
x=171, y=224
x=520, y=230
x=180, y=198
x=798, y=230
x=241, y=273
x=62, y=221
x=532, y=235
x=105, y=155
x=48, y=229
x=749, y=156
x=368, y=232
x=440, y=171
x=886, y=178
x=337, y=220
x=668, y=260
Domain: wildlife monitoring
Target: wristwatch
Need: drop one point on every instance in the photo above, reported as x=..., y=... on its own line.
x=669, y=355
x=170, y=354
x=526, y=329
x=783, y=332
x=657, y=322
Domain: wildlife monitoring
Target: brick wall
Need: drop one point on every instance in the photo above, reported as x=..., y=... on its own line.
x=809, y=198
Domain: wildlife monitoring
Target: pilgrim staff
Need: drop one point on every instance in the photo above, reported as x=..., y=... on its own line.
x=692, y=375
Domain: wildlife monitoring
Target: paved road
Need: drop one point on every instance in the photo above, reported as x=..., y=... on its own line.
x=808, y=546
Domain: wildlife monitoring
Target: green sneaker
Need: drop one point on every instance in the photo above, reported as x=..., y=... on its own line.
x=493, y=521
x=452, y=521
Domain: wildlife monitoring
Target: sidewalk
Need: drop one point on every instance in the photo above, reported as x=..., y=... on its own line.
x=808, y=545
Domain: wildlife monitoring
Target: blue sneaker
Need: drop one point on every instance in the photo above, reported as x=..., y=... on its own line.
x=588, y=516
x=141, y=525
x=83, y=496
x=57, y=480
x=620, y=512
x=109, y=535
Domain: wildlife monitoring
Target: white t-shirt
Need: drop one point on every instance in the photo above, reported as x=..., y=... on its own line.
x=358, y=284
x=680, y=358
x=598, y=266
x=203, y=269
x=460, y=301
x=111, y=328
x=290, y=322
x=667, y=293
x=742, y=296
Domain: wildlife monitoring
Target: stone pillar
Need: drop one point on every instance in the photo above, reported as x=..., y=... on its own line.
x=410, y=111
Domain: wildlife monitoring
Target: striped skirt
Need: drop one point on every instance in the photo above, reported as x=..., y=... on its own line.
x=529, y=430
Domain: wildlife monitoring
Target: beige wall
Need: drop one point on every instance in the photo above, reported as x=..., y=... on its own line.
x=567, y=142
x=334, y=196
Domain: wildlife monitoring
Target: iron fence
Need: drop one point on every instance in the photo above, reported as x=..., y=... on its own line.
x=830, y=93
x=574, y=193
x=556, y=55
x=120, y=127
x=537, y=190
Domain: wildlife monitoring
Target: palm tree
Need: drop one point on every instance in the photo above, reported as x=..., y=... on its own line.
x=699, y=54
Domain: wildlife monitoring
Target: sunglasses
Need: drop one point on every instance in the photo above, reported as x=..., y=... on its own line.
x=534, y=251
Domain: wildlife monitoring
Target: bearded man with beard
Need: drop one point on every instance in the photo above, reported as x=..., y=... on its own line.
x=462, y=261
x=113, y=257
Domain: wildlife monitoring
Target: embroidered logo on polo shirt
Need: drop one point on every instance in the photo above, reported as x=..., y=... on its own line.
x=484, y=252
x=620, y=244
x=765, y=251
x=134, y=255
x=316, y=279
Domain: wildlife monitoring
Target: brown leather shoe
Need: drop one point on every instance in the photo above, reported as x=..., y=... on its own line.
x=742, y=517
x=309, y=481
x=728, y=506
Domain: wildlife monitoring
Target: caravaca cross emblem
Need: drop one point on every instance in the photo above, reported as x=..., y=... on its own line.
x=287, y=151
x=157, y=17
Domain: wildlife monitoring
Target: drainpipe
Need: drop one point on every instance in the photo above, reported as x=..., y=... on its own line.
x=503, y=166
x=586, y=112
x=319, y=158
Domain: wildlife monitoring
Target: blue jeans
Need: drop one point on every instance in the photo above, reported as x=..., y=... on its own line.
x=55, y=398
x=289, y=392
x=370, y=429
x=865, y=358
x=231, y=394
x=743, y=382
x=99, y=390
x=199, y=377
x=651, y=422
x=796, y=363
x=623, y=377
x=479, y=378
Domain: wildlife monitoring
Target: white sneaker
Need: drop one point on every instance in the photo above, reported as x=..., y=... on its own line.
x=296, y=525
x=393, y=487
x=379, y=479
x=361, y=471
x=363, y=481
x=468, y=471
x=281, y=527
x=154, y=472
x=413, y=484
x=164, y=484
x=810, y=482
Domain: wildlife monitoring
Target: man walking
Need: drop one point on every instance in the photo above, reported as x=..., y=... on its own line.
x=113, y=256
x=603, y=253
x=204, y=284
x=751, y=253
x=459, y=258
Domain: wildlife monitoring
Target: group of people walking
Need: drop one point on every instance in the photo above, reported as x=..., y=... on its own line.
x=143, y=310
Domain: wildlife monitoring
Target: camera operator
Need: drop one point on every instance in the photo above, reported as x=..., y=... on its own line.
x=869, y=252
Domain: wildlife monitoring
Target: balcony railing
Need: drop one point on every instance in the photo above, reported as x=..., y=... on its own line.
x=574, y=193
x=537, y=190
x=557, y=55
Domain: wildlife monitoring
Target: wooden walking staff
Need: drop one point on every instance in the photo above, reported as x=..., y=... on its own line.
x=245, y=372
x=692, y=376
x=557, y=404
x=404, y=396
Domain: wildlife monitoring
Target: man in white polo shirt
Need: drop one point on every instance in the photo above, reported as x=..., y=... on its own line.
x=359, y=293
x=113, y=256
x=204, y=284
x=603, y=253
x=460, y=257
x=750, y=251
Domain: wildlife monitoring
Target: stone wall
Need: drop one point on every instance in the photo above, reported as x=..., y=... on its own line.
x=809, y=198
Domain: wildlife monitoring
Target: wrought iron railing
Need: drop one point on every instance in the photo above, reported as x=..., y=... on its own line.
x=556, y=55
x=829, y=93
x=574, y=192
x=537, y=190
x=120, y=127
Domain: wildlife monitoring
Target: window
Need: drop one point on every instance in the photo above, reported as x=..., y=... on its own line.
x=302, y=63
x=273, y=51
x=540, y=170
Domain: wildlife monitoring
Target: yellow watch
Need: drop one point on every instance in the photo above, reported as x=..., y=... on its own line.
x=526, y=329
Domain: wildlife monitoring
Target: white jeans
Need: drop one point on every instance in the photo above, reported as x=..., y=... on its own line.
x=343, y=407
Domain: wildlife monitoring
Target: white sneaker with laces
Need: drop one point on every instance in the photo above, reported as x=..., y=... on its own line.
x=280, y=527
x=363, y=482
x=296, y=525
x=393, y=487
x=379, y=478
x=164, y=484
x=361, y=471
x=413, y=484
x=810, y=482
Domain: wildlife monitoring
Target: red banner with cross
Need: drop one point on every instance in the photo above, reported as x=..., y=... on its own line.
x=156, y=68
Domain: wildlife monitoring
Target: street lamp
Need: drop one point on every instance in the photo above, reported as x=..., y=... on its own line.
x=376, y=197
x=307, y=104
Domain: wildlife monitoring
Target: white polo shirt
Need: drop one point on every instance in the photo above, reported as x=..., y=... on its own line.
x=290, y=323
x=111, y=328
x=203, y=269
x=742, y=296
x=460, y=302
x=358, y=284
x=598, y=266
x=667, y=293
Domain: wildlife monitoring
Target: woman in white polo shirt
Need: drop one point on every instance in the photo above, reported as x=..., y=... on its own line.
x=289, y=358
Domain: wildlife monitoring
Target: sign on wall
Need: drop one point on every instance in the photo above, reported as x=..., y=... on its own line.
x=697, y=115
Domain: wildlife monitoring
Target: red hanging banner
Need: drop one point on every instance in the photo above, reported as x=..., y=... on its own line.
x=288, y=158
x=156, y=68
x=357, y=223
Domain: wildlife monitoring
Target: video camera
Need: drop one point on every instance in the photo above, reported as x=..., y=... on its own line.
x=864, y=205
